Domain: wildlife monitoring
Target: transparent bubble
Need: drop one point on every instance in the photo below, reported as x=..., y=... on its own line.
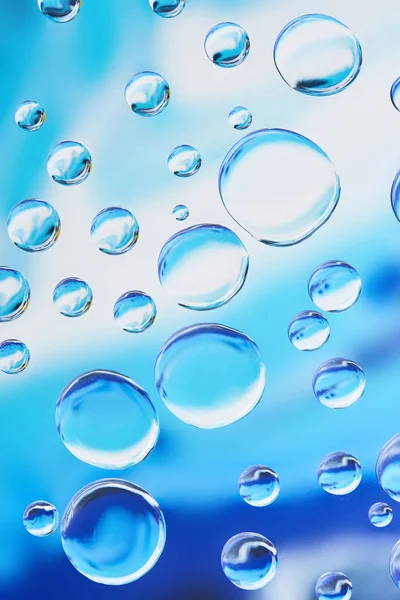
x=33, y=225
x=394, y=564
x=395, y=94
x=114, y=230
x=334, y=286
x=107, y=420
x=317, y=55
x=41, y=518
x=60, y=11
x=167, y=8
x=339, y=473
x=334, y=586
x=279, y=186
x=249, y=560
x=147, y=94
x=388, y=467
x=180, y=212
x=14, y=294
x=395, y=195
x=339, y=383
x=69, y=163
x=113, y=531
x=227, y=45
x=30, y=115
x=240, y=118
x=210, y=375
x=184, y=161
x=72, y=297
x=308, y=330
x=380, y=514
x=134, y=311
x=259, y=486
x=203, y=267
x=14, y=356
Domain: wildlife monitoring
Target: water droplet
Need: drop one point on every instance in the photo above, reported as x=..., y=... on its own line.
x=395, y=196
x=334, y=586
x=134, y=311
x=339, y=473
x=308, y=330
x=180, y=212
x=167, y=8
x=334, y=286
x=30, y=115
x=147, y=93
x=240, y=118
x=72, y=297
x=210, y=375
x=394, y=564
x=203, y=267
x=227, y=45
x=41, y=518
x=395, y=94
x=60, y=11
x=107, y=420
x=388, y=467
x=113, y=531
x=14, y=294
x=184, y=161
x=249, y=560
x=259, y=486
x=279, y=186
x=14, y=356
x=69, y=163
x=114, y=230
x=338, y=383
x=317, y=55
x=33, y=225
x=380, y=514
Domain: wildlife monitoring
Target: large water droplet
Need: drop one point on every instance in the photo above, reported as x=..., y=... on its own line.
x=394, y=564
x=114, y=230
x=388, y=467
x=249, y=560
x=184, y=161
x=72, y=297
x=60, y=11
x=380, y=514
x=113, y=531
x=203, y=267
x=317, y=55
x=395, y=195
x=107, y=420
x=210, y=375
x=227, y=45
x=147, y=93
x=14, y=356
x=334, y=586
x=395, y=94
x=180, y=212
x=33, y=225
x=334, y=286
x=308, y=330
x=134, y=311
x=69, y=163
x=240, y=118
x=30, y=115
x=167, y=8
x=339, y=473
x=339, y=383
x=14, y=294
x=259, y=486
x=279, y=186
x=40, y=518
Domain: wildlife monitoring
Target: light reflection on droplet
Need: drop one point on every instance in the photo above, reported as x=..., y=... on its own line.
x=227, y=45
x=30, y=115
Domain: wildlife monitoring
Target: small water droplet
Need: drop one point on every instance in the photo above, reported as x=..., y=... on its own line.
x=339, y=383
x=395, y=195
x=395, y=94
x=33, y=225
x=227, y=45
x=30, y=115
x=60, y=11
x=69, y=163
x=339, y=473
x=334, y=586
x=72, y=297
x=184, y=161
x=180, y=212
x=147, y=94
x=40, y=518
x=114, y=230
x=167, y=8
x=308, y=330
x=388, y=467
x=249, y=560
x=380, y=514
x=134, y=311
x=334, y=286
x=259, y=486
x=14, y=294
x=14, y=356
x=240, y=118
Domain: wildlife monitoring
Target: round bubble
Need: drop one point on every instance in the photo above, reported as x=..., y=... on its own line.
x=60, y=11
x=380, y=514
x=240, y=118
x=395, y=195
x=167, y=8
x=40, y=518
x=227, y=45
x=334, y=286
x=72, y=297
x=210, y=375
x=203, y=267
x=317, y=55
x=334, y=586
x=279, y=186
x=395, y=94
x=114, y=230
x=259, y=486
x=388, y=467
x=69, y=163
x=308, y=330
x=30, y=115
x=339, y=383
x=33, y=225
x=14, y=294
x=107, y=420
x=147, y=94
x=180, y=212
x=113, y=531
x=249, y=560
x=134, y=311
x=14, y=356
x=394, y=564
x=339, y=473
x=184, y=161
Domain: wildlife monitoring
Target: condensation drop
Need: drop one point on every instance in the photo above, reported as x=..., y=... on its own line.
x=259, y=486
x=308, y=330
x=72, y=297
x=30, y=115
x=240, y=118
x=114, y=230
x=395, y=94
x=40, y=518
x=388, y=467
x=180, y=212
x=339, y=383
x=69, y=163
x=380, y=514
x=14, y=356
x=107, y=420
x=113, y=531
x=134, y=311
x=334, y=586
x=33, y=225
x=184, y=161
x=334, y=286
x=249, y=560
x=227, y=45
x=147, y=94
x=167, y=8
x=14, y=294
x=60, y=11
x=279, y=186
x=339, y=473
